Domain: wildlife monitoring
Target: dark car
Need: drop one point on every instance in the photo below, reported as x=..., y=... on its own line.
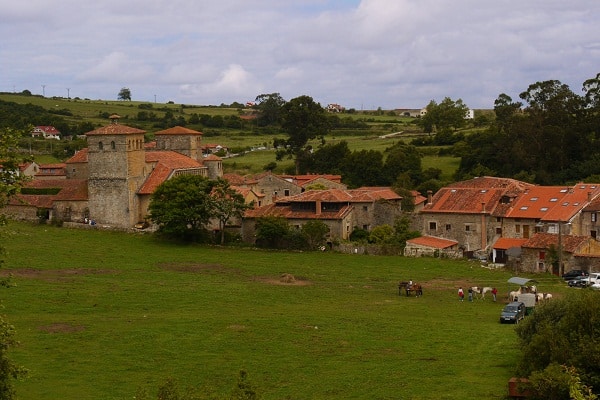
x=579, y=281
x=574, y=273
x=513, y=312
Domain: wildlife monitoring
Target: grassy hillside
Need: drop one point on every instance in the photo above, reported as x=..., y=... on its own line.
x=370, y=138
x=101, y=314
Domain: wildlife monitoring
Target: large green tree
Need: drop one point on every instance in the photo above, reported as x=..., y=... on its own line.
x=183, y=206
x=270, y=107
x=445, y=116
x=303, y=119
x=124, y=94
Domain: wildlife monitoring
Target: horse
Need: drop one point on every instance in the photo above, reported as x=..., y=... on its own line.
x=476, y=290
x=416, y=288
x=484, y=290
x=514, y=294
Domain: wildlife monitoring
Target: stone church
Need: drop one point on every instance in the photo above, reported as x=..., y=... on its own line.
x=112, y=180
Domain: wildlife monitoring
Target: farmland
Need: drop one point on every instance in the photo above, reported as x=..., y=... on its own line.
x=246, y=137
x=100, y=314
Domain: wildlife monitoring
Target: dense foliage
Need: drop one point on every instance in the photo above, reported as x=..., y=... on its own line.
x=563, y=332
x=554, y=139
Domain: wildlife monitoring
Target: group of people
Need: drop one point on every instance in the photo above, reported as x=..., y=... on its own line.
x=461, y=293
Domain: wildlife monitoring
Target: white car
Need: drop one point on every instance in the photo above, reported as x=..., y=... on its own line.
x=595, y=285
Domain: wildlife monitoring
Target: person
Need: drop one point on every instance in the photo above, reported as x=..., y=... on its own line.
x=470, y=294
x=494, y=293
x=461, y=294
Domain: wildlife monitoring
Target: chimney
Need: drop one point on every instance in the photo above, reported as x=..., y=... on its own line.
x=429, y=196
x=318, y=207
x=589, y=196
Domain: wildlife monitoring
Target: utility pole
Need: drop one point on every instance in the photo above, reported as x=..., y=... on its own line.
x=561, y=270
x=68, y=93
x=43, y=90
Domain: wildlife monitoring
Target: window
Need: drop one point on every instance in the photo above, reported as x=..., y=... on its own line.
x=498, y=231
x=433, y=226
x=286, y=192
x=112, y=145
x=542, y=255
x=100, y=146
x=594, y=234
x=448, y=227
x=594, y=217
x=517, y=228
x=365, y=208
x=467, y=228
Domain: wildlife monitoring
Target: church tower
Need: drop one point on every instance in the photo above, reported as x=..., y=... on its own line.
x=182, y=140
x=116, y=162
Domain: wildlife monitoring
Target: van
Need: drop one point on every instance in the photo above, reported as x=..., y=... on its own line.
x=594, y=278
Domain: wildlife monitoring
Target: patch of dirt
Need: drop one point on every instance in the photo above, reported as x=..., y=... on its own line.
x=61, y=328
x=194, y=268
x=53, y=275
x=286, y=280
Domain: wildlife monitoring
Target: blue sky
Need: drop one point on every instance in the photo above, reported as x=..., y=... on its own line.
x=360, y=54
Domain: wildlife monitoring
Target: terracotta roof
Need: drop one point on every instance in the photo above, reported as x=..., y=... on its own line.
x=301, y=180
x=165, y=163
x=432, y=241
x=360, y=195
x=418, y=198
x=570, y=243
x=575, y=199
x=234, y=179
x=80, y=157
x=48, y=129
x=212, y=157
x=115, y=129
x=285, y=211
x=70, y=190
x=476, y=196
x=507, y=243
x=178, y=130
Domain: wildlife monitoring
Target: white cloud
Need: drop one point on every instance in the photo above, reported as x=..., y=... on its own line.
x=399, y=53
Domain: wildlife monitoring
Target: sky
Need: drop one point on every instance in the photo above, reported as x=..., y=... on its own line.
x=361, y=54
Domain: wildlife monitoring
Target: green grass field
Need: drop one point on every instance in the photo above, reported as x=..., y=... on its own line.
x=101, y=314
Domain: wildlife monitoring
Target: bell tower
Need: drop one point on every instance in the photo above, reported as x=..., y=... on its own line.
x=116, y=162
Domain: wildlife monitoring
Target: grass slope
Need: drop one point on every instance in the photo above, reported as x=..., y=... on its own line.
x=100, y=314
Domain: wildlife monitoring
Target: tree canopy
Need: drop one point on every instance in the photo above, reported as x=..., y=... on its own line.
x=182, y=206
x=124, y=94
x=303, y=119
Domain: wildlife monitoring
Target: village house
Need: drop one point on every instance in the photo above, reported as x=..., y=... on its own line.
x=341, y=210
x=45, y=132
x=432, y=247
x=482, y=213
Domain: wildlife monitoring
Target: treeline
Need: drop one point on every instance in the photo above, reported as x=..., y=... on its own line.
x=552, y=137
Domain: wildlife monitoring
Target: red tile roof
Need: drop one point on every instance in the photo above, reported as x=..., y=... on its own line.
x=70, y=190
x=432, y=241
x=115, y=129
x=178, y=130
x=279, y=210
x=570, y=243
x=165, y=163
x=80, y=157
x=507, y=243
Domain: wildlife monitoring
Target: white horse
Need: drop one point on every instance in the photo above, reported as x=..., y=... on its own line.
x=543, y=296
x=514, y=294
x=484, y=290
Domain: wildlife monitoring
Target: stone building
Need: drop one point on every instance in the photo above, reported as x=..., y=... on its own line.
x=119, y=172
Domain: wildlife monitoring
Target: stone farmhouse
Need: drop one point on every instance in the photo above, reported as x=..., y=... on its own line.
x=491, y=216
x=112, y=180
x=340, y=209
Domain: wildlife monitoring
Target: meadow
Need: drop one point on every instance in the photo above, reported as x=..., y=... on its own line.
x=102, y=314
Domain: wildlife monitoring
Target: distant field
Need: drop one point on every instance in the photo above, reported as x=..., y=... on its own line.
x=101, y=314
x=367, y=139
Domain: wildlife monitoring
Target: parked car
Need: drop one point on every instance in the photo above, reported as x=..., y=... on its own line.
x=579, y=281
x=574, y=273
x=513, y=312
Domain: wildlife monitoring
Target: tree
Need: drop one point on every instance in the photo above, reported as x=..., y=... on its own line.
x=271, y=231
x=182, y=206
x=10, y=184
x=364, y=168
x=269, y=106
x=302, y=120
x=314, y=232
x=446, y=116
x=563, y=332
x=402, y=158
x=124, y=94
x=228, y=203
